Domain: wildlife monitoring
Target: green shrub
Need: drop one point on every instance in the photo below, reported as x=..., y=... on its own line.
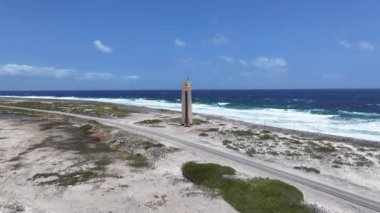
x=138, y=161
x=86, y=127
x=251, y=151
x=203, y=134
x=326, y=149
x=265, y=137
x=150, y=122
x=242, y=133
x=211, y=130
x=308, y=169
x=197, y=121
x=209, y=174
x=226, y=142
x=253, y=195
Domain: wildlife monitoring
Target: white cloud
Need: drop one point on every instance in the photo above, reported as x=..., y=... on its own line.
x=219, y=39
x=345, y=43
x=97, y=76
x=132, y=77
x=366, y=46
x=102, y=47
x=272, y=64
x=360, y=45
x=227, y=59
x=244, y=63
x=21, y=70
x=179, y=43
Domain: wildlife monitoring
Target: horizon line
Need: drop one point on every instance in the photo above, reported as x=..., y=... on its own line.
x=77, y=90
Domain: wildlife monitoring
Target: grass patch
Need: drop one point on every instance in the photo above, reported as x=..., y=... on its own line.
x=21, y=112
x=241, y=133
x=253, y=195
x=148, y=145
x=196, y=121
x=209, y=175
x=138, y=161
x=326, y=149
x=68, y=179
x=52, y=124
x=294, y=141
x=17, y=166
x=17, y=158
x=86, y=127
x=91, y=109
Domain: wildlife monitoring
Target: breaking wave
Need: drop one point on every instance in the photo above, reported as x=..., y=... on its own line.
x=342, y=123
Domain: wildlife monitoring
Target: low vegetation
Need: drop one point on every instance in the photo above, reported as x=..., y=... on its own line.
x=21, y=112
x=308, y=169
x=251, y=151
x=150, y=122
x=252, y=195
x=196, y=121
x=94, y=149
x=138, y=161
x=203, y=134
x=242, y=133
x=17, y=165
x=68, y=179
x=91, y=109
x=265, y=137
x=211, y=130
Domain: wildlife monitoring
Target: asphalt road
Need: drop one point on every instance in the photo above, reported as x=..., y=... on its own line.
x=238, y=158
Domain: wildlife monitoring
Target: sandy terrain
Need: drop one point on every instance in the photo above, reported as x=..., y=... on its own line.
x=349, y=164
x=158, y=188
x=343, y=163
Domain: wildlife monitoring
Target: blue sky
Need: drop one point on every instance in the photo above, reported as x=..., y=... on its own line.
x=97, y=44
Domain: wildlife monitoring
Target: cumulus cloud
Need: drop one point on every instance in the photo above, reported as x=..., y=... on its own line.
x=269, y=63
x=132, y=77
x=360, y=45
x=244, y=63
x=21, y=70
x=179, y=42
x=102, y=47
x=227, y=59
x=345, y=43
x=219, y=39
x=97, y=76
x=366, y=46
x=29, y=71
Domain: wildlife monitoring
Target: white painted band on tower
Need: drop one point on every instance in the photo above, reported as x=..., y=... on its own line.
x=187, y=110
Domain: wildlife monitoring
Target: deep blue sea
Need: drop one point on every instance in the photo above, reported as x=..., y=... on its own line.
x=349, y=112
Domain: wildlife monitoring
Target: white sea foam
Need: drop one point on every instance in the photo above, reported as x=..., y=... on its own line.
x=291, y=119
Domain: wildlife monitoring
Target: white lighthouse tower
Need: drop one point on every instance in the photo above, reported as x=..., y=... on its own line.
x=187, y=114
